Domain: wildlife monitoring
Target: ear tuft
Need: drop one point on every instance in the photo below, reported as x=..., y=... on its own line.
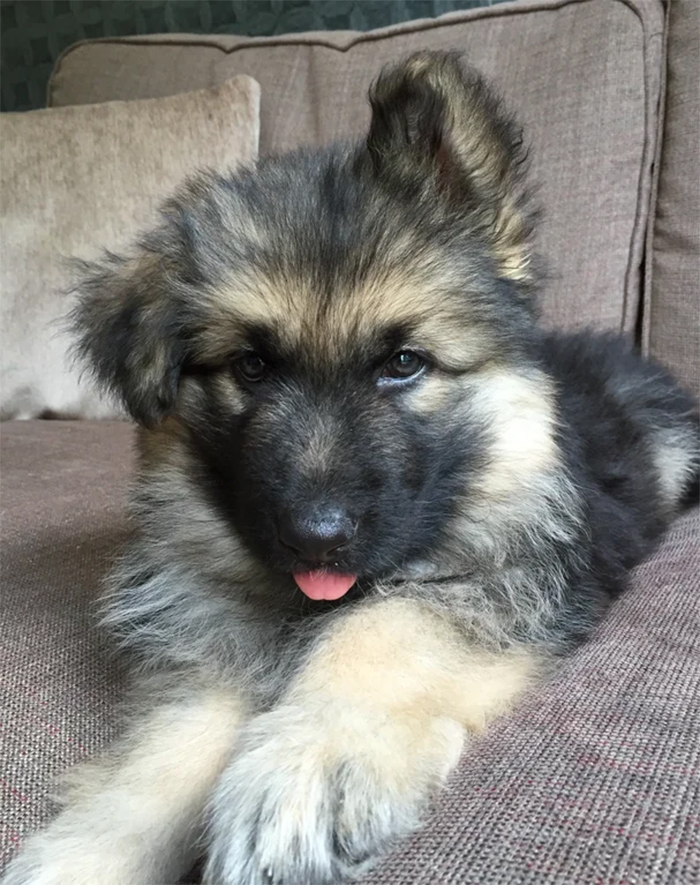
x=437, y=126
x=126, y=334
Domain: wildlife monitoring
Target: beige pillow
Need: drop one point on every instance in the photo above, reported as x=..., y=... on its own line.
x=77, y=180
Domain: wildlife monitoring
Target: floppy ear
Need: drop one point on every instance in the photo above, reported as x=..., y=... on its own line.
x=436, y=124
x=127, y=331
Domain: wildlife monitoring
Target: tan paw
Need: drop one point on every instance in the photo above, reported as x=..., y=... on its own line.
x=318, y=798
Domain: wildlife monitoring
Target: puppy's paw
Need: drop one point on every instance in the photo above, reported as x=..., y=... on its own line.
x=315, y=799
x=44, y=860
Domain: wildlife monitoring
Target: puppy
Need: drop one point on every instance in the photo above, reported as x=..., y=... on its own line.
x=375, y=500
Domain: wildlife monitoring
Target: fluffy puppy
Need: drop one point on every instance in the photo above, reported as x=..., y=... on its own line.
x=375, y=501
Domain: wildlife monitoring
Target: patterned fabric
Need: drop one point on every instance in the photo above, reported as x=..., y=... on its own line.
x=34, y=34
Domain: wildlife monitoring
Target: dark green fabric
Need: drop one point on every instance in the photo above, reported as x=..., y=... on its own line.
x=35, y=32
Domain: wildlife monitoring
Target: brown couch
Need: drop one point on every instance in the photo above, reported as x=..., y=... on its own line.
x=595, y=778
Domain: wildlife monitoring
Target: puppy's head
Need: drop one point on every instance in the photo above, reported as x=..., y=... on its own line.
x=340, y=334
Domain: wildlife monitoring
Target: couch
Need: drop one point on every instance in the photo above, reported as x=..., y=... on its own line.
x=595, y=778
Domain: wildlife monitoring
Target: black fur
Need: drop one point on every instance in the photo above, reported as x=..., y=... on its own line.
x=611, y=403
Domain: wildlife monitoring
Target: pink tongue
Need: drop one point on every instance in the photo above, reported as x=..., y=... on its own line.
x=324, y=585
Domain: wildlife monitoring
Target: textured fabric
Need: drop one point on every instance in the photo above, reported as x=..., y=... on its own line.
x=33, y=34
x=594, y=779
x=672, y=312
x=582, y=76
x=63, y=488
x=75, y=181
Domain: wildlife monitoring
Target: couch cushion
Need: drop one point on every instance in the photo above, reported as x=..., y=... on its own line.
x=74, y=181
x=63, y=492
x=672, y=311
x=594, y=778
x=583, y=77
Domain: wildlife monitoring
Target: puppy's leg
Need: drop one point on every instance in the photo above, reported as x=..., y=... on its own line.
x=346, y=764
x=133, y=817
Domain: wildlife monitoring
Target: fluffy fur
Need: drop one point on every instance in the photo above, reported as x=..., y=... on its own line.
x=498, y=495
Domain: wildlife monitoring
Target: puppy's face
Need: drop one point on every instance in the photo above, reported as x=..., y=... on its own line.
x=335, y=330
x=325, y=403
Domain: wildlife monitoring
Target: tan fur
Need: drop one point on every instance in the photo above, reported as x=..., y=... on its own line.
x=431, y=395
x=675, y=459
x=426, y=298
x=520, y=415
x=394, y=686
x=249, y=300
x=357, y=746
x=483, y=154
x=398, y=657
x=133, y=816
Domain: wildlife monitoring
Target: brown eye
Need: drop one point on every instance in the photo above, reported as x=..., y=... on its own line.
x=403, y=366
x=251, y=367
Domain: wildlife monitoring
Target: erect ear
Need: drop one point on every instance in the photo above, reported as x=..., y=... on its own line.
x=126, y=328
x=436, y=124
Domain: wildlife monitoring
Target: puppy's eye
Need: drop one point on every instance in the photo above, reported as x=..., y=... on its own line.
x=251, y=367
x=403, y=366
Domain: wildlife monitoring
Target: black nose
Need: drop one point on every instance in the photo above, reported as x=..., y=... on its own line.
x=317, y=534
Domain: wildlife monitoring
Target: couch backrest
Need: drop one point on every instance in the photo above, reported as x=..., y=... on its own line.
x=671, y=329
x=582, y=75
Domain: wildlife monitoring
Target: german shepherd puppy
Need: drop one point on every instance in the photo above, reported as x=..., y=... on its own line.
x=375, y=500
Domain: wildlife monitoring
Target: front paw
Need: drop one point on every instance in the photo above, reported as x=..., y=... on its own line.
x=315, y=799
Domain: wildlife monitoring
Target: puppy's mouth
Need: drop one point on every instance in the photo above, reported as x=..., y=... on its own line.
x=321, y=584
